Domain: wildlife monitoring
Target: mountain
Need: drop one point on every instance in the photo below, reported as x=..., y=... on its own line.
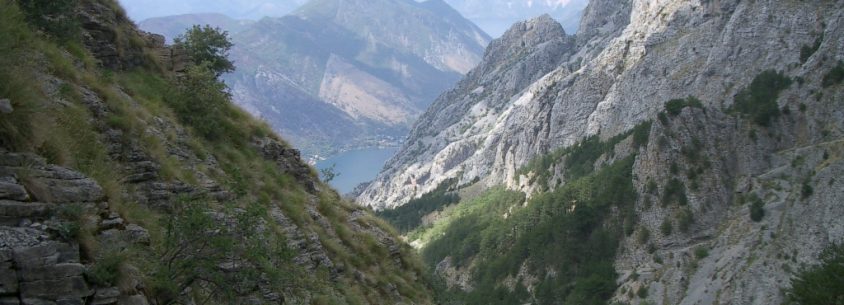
x=496, y=16
x=670, y=152
x=236, y=9
x=342, y=74
x=128, y=176
x=173, y=26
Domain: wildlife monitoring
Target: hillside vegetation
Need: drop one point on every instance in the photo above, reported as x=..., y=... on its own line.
x=201, y=203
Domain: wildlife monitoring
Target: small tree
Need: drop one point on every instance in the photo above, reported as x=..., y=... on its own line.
x=208, y=45
x=329, y=173
x=218, y=256
x=200, y=101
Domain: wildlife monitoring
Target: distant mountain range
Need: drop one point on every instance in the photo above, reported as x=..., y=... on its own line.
x=237, y=9
x=493, y=16
x=173, y=26
x=344, y=74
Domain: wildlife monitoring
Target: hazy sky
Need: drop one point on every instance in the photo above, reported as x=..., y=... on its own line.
x=494, y=16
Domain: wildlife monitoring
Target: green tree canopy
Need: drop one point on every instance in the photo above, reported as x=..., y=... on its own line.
x=822, y=284
x=208, y=45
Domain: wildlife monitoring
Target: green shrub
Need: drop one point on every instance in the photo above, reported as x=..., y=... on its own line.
x=641, y=134
x=701, y=252
x=674, y=192
x=835, y=76
x=651, y=187
x=822, y=284
x=106, y=270
x=759, y=100
x=807, y=51
x=642, y=293
x=663, y=118
x=807, y=190
x=643, y=236
x=629, y=225
x=666, y=227
x=685, y=219
x=675, y=106
x=201, y=101
x=757, y=208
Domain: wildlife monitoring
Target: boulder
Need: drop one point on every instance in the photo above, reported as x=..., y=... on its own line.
x=18, y=237
x=106, y=296
x=50, y=273
x=55, y=184
x=133, y=300
x=13, y=212
x=137, y=234
x=10, y=189
x=114, y=223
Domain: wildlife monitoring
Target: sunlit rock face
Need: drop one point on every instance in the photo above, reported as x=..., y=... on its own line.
x=538, y=90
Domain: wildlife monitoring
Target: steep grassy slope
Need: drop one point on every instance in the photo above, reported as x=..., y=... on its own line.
x=147, y=205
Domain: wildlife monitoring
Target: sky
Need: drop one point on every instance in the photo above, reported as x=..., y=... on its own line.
x=493, y=16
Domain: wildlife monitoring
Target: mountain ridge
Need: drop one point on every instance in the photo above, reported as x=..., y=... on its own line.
x=112, y=191
x=674, y=150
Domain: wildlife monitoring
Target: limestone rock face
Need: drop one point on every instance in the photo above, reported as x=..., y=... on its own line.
x=444, y=138
x=110, y=36
x=627, y=61
x=37, y=265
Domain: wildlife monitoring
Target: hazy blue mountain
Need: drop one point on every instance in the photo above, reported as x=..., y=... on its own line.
x=493, y=16
x=342, y=74
x=237, y=9
x=172, y=26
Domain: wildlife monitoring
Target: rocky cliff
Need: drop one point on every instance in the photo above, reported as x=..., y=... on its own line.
x=108, y=197
x=740, y=101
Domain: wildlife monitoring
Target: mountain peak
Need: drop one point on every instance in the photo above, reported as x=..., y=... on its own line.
x=525, y=35
x=544, y=24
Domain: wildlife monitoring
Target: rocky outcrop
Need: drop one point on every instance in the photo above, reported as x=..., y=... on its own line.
x=172, y=57
x=38, y=264
x=289, y=161
x=105, y=34
x=113, y=39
